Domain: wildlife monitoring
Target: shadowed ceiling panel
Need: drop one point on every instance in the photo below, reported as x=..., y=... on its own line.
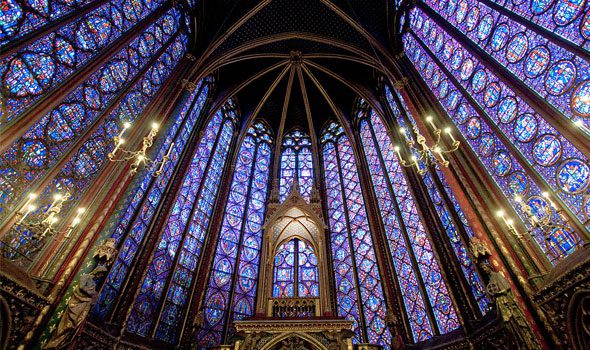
x=282, y=16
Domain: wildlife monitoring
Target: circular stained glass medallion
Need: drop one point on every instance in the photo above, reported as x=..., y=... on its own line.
x=479, y=80
x=566, y=11
x=462, y=113
x=517, y=48
x=507, y=110
x=216, y=305
x=485, y=27
x=457, y=58
x=547, y=150
x=502, y=163
x=34, y=153
x=453, y=100
x=525, y=127
x=539, y=207
x=462, y=11
x=443, y=89
x=486, y=144
x=560, y=77
x=518, y=183
x=500, y=37
x=473, y=128
x=472, y=18
x=573, y=176
x=467, y=69
x=492, y=94
x=536, y=61
x=581, y=99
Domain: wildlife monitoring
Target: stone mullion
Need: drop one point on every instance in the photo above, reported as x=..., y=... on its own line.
x=532, y=248
x=46, y=179
x=389, y=278
x=20, y=125
x=461, y=290
x=21, y=42
x=556, y=39
x=552, y=115
x=507, y=253
x=165, y=93
x=124, y=304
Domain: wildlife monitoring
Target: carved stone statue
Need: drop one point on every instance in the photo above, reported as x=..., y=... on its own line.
x=499, y=291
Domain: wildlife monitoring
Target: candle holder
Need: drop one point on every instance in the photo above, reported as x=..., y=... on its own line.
x=544, y=223
x=423, y=153
x=17, y=243
x=140, y=156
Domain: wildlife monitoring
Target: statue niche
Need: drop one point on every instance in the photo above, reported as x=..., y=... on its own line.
x=294, y=282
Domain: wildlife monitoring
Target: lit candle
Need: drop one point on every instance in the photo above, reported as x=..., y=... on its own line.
x=439, y=151
x=30, y=209
x=403, y=132
x=396, y=148
x=448, y=131
x=57, y=198
x=431, y=122
x=126, y=126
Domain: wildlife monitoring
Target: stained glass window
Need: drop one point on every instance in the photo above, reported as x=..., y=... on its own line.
x=232, y=285
x=166, y=286
x=81, y=169
x=132, y=226
x=295, y=271
x=296, y=163
x=49, y=60
x=451, y=227
x=519, y=149
x=406, y=234
x=25, y=161
x=359, y=292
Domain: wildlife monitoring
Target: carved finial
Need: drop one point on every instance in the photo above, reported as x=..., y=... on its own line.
x=274, y=192
x=294, y=186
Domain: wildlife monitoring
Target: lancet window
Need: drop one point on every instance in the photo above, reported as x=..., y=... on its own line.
x=130, y=231
x=359, y=291
x=232, y=286
x=295, y=271
x=161, y=302
x=296, y=163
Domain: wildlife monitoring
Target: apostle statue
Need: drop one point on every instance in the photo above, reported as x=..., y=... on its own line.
x=499, y=291
x=77, y=308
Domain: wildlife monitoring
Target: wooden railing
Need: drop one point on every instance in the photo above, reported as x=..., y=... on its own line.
x=293, y=307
